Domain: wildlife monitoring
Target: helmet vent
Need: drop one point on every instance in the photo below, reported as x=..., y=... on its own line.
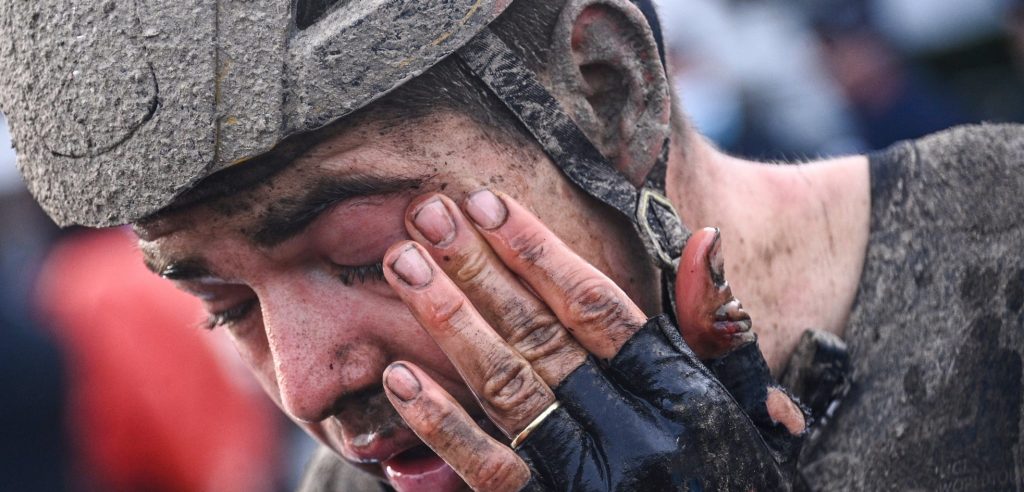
x=308, y=12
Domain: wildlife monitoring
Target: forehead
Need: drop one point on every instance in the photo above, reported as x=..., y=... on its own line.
x=383, y=149
x=388, y=155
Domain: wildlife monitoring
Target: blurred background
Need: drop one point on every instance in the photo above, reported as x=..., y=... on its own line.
x=109, y=384
x=800, y=79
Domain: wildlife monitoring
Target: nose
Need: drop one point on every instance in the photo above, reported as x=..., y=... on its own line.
x=319, y=352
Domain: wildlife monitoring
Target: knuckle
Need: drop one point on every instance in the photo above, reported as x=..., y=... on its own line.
x=499, y=473
x=517, y=313
x=526, y=323
x=595, y=301
x=544, y=337
x=510, y=386
x=474, y=267
x=437, y=423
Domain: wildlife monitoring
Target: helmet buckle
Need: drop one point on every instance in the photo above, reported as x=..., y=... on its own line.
x=656, y=219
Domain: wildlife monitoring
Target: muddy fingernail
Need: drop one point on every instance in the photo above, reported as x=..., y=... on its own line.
x=486, y=209
x=412, y=267
x=434, y=222
x=731, y=311
x=402, y=382
x=716, y=262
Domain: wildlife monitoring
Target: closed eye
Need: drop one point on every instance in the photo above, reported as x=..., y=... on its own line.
x=349, y=275
x=230, y=316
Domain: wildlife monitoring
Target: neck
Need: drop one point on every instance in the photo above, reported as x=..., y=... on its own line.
x=794, y=236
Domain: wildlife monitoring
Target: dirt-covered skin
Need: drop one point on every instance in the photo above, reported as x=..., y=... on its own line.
x=937, y=334
x=638, y=411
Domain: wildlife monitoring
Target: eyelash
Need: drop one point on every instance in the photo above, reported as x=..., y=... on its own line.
x=363, y=273
x=347, y=274
x=229, y=316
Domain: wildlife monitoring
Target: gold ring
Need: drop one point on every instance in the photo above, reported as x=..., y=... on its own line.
x=523, y=434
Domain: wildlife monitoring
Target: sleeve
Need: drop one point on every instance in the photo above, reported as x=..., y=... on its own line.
x=966, y=178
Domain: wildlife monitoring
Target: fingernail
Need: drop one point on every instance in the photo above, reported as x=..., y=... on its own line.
x=412, y=268
x=716, y=262
x=731, y=311
x=402, y=382
x=486, y=209
x=434, y=222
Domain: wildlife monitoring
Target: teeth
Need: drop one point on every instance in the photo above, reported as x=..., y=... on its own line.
x=363, y=440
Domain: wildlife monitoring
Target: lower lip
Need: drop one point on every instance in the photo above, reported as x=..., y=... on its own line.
x=419, y=469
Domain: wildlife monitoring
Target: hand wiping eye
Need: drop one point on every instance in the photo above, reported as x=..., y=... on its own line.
x=589, y=392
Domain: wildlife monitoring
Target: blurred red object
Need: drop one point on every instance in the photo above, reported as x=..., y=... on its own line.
x=151, y=406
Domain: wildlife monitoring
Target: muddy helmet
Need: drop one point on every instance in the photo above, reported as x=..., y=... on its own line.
x=117, y=108
x=105, y=93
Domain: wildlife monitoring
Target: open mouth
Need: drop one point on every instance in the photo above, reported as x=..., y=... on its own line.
x=420, y=469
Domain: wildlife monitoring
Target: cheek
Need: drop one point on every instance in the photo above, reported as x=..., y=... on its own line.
x=350, y=333
x=255, y=353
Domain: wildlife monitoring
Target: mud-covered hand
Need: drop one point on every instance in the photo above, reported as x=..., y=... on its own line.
x=528, y=324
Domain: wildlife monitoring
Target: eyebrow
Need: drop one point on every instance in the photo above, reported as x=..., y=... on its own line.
x=288, y=217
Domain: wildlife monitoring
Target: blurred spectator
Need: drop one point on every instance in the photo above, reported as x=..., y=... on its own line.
x=893, y=102
x=110, y=385
x=795, y=78
x=929, y=26
x=1015, y=23
x=26, y=233
x=752, y=78
x=33, y=444
x=911, y=67
x=151, y=404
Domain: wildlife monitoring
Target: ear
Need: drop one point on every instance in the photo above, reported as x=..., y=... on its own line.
x=606, y=71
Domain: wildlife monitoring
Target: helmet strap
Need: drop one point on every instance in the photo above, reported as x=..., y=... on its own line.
x=647, y=208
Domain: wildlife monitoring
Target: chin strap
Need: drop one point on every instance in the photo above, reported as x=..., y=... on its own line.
x=652, y=215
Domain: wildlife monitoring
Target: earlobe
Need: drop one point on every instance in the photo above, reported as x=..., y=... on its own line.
x=608, y=74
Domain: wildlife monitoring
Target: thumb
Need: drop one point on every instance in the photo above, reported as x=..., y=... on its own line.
x=711, y=320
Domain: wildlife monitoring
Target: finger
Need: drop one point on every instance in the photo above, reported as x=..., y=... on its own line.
x=783, y=410
x=509, y=390
x=715, y=326
x=441, y=423
x=513, y=311
x=776, y=415
x=595, y=311
x=711, y=320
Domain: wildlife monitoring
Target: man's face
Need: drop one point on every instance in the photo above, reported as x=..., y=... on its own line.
x=291, y=269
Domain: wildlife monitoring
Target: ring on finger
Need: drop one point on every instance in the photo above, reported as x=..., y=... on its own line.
x=523, y=434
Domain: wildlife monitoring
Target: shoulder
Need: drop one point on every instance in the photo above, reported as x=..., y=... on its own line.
x=966, y=177
x=936, y=348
